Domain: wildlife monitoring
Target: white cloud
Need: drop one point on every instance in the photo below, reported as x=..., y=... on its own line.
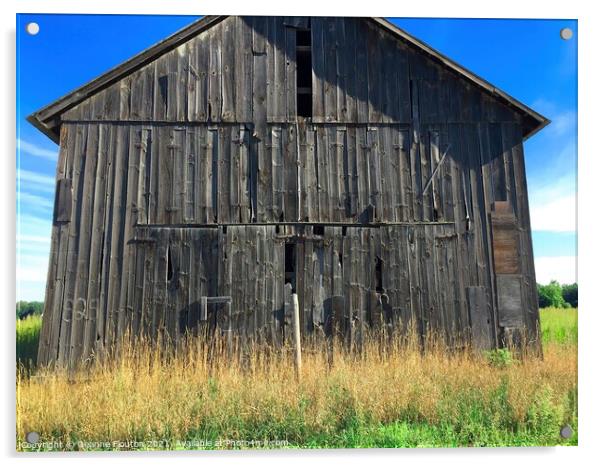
x=36, y=151
x=553, y=204
x=33, y=180
x=32, y=268
x=562, y=269
x=33, y=234
x=554, y=214
x=31, y=276
x=33, y=249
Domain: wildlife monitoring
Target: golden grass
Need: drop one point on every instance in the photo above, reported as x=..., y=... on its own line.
x=145, y=396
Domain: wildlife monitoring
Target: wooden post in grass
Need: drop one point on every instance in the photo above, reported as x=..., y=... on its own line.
x=229, y=336
x=297, y=335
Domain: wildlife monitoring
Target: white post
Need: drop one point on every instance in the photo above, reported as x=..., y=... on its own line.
x=297, y=334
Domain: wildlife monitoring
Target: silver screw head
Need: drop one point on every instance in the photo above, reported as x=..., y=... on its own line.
x=566, y=33
x=32, y=437
x=32, y=28
x=566, y=432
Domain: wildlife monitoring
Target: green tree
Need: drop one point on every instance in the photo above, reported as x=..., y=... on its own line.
x=551, y=295
x=25, y=308
x=569, y=294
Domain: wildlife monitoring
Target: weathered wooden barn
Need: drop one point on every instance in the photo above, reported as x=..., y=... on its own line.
x=251, y=157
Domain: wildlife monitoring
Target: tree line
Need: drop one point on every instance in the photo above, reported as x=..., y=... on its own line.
x=556, y=295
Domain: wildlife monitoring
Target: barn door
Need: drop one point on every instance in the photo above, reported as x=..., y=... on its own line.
x=507, y=269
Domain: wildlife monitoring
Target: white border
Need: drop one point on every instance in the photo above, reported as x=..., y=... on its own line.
x=590, y=38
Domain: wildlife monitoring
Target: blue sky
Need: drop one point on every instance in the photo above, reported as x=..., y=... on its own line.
x=526, y=58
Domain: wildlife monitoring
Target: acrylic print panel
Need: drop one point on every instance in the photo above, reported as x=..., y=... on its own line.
x=291, y=232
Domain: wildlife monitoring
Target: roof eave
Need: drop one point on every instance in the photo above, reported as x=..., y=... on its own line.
x=540, y=121
x=51, y=132
x=50, y=112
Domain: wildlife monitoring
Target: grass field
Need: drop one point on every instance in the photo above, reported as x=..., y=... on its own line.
x=28, y=332
x=403, y=399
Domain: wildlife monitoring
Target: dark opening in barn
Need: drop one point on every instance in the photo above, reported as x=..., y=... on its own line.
x=304, y=73
x=290, y=266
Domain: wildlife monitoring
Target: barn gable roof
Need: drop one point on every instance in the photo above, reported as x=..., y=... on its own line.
x=47, y=119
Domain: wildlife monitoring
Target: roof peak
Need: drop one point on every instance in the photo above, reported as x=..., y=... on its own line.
x=47, y=119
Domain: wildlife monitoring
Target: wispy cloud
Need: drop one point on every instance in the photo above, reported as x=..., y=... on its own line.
x=33, y=249
x=37, y=151
x=562, y=269
x=33, y=229
x=564, y=123
x=34, y=239
x=34, y=201
x=35, y=180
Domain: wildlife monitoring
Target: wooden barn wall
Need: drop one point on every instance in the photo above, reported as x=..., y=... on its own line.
x=93, y=290
x=243, y=70
x=152, y=169
x=165, y=272
x=201, y=175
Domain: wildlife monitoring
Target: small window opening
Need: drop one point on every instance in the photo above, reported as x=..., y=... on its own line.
x=344, y=231
x=290, y=259
x=304, y=73
x=318, y=230
x=163, y=86
x=224, y=229
x=379, y=275
x=277, y=229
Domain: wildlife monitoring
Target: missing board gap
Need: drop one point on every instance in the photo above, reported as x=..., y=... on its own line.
x=169, y=265
x=378, y=269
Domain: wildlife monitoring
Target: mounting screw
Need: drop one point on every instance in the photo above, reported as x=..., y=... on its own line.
x=566, y=432
x=32, y=28
x=566, y=33
x=32, y=437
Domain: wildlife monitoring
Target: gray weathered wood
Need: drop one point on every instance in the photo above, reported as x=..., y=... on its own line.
x=183, y=179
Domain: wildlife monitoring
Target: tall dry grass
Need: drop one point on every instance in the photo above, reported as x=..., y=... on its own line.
x=435, y=398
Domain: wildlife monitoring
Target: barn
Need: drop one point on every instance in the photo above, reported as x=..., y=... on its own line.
x=243, y=160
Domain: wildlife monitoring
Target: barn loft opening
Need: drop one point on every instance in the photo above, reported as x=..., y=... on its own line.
x=290, y=265
x=318, y=230
x=304, y=73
